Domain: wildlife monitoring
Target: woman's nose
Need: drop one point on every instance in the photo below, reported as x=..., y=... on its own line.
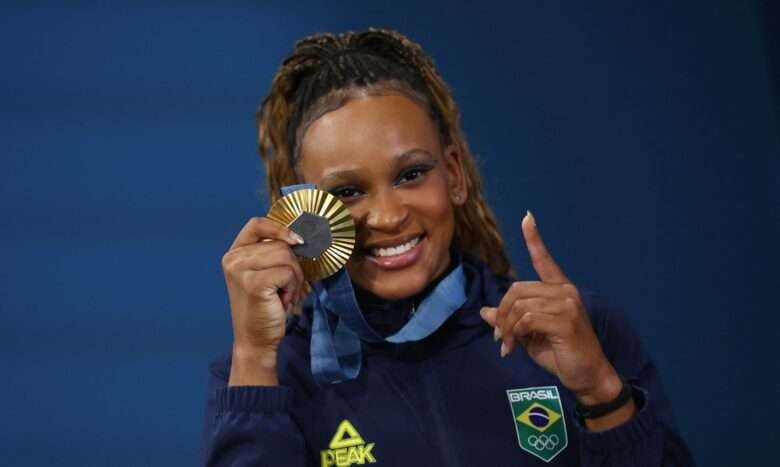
x=387, y=212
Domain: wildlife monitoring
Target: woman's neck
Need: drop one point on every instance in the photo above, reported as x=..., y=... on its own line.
x=387, y=317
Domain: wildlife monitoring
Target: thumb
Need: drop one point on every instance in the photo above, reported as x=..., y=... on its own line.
x=543, y=262
x=488, y=314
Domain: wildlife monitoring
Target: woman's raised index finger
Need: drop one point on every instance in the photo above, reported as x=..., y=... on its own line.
x=262, y=228
x=541, y=259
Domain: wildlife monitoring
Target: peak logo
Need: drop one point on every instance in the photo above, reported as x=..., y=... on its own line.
x=347, y=448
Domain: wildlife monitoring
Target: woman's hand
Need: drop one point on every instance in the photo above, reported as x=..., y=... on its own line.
x=549, y=320
x=263, y=280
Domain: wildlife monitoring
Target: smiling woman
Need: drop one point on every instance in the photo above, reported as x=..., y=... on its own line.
x=382, y=156
x=400, y=357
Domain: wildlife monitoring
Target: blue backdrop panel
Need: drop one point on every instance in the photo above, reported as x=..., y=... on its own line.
x=642, y=134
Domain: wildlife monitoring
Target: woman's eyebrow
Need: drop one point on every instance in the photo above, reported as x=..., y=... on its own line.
x=404, y=157
x=340, y=176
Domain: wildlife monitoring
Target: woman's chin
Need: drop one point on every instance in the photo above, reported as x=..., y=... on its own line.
x=391, y=288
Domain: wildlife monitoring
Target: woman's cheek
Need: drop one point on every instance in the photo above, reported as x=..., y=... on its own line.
x=434, y=205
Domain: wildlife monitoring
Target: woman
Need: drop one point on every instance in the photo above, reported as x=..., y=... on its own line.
x=366, y=117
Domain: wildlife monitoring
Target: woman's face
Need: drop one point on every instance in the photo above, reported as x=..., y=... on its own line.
x=381, y=156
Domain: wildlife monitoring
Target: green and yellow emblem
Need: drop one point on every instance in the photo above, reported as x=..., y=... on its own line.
x=539, y=421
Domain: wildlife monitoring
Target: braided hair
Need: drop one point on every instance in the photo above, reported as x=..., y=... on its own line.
x=326, y=70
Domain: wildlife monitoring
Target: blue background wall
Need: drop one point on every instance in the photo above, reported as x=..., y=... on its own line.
x=642, y=134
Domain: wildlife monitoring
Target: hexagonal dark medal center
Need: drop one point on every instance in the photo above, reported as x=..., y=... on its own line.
x=315, y=231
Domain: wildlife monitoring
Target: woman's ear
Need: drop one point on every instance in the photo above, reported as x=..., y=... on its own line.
x=456, y=176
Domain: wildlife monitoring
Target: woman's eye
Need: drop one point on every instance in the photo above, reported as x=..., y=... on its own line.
x=345, y=193
x=413, y=174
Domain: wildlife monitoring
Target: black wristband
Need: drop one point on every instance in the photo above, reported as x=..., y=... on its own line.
x=599, y=410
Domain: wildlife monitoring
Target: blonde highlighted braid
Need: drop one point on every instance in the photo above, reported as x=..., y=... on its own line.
x=381, y=60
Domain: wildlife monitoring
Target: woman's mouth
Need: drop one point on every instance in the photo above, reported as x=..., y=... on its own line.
x=397, y=256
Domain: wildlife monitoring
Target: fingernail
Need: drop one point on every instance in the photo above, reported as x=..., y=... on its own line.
x=504, y=350
x=295, y=237
x=496, y=334
x=531, y=217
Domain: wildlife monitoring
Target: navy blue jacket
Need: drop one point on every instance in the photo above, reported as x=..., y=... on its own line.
x=441, y=401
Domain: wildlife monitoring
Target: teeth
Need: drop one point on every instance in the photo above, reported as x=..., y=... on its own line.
x=396, y=250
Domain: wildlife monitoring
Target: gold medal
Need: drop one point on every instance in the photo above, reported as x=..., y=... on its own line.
x=326, y=227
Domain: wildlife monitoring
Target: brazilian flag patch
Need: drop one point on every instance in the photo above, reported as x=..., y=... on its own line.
x=539, y=420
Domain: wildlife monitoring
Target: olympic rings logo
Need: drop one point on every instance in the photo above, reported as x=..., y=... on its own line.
x=543, y=442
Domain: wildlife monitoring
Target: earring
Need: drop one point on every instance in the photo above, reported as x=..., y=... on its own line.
x=457, y=197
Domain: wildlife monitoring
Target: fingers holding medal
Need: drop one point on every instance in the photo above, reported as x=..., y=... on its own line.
x=263, y=280
x=307, y=235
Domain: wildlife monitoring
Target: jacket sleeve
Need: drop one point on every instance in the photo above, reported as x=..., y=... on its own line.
x=650, y=438
x=249, y=425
